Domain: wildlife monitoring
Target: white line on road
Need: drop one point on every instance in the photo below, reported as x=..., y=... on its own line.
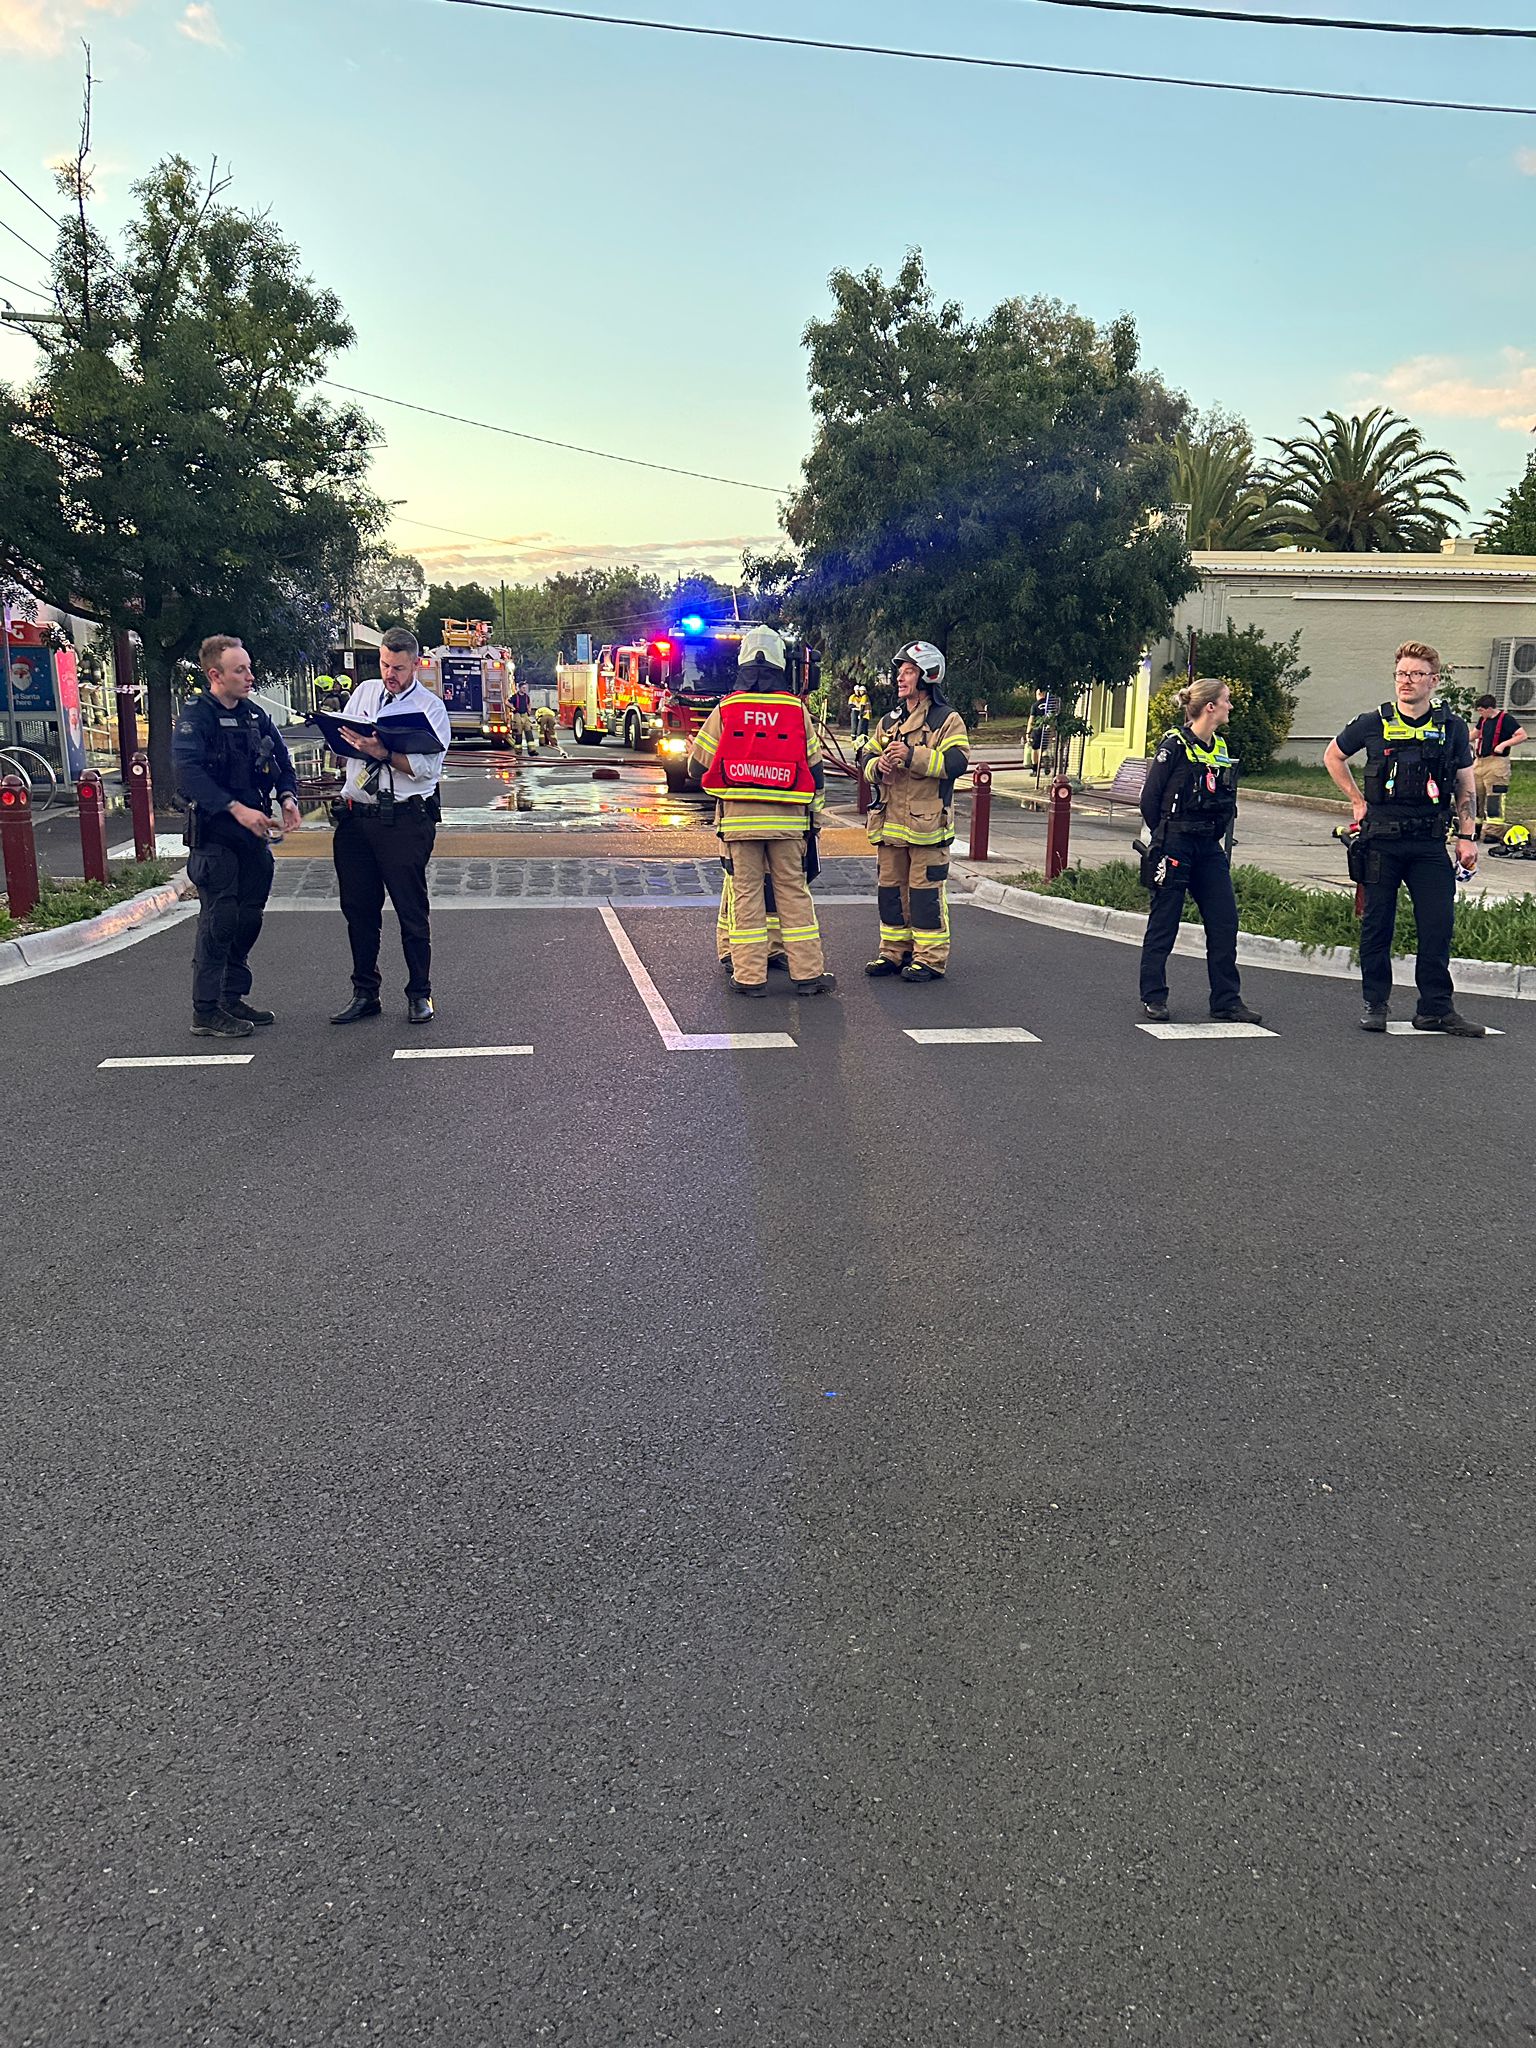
x=463, y=1052
x=1211, y=1030
x=188, y=1059
x=1407, y=1031
x=989, y=1034
x=666, y=1024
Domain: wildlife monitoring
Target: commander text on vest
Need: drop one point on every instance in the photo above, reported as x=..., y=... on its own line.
x=1418, y=769
x=757, y=756
x=230, y=762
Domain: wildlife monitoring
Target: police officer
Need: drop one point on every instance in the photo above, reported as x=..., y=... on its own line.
x=230, y=761
x=1418, y=770
x=916, y=757
x=1188, y=803
x=757, y=756
x=386, y=826
x=858, y=713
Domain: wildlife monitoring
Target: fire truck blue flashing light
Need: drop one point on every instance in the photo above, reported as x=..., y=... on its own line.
x=692, y=624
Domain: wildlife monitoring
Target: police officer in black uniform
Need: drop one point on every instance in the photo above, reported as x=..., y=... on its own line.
x=230, y=761
x=1418, y=770
x=1188, y=803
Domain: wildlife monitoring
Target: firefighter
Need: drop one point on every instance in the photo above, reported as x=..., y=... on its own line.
x=549, y=726
x=858, y=713
x=759, y=740
x=777, y=957
x=917, y=755
x=523, y=736
x=1188, y=803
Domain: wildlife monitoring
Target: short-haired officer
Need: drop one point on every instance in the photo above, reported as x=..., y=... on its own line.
x=1496, y=737
x=1418, y=768
x=230, y=761
x=917, y=755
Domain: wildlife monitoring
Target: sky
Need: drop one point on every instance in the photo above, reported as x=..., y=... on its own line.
x=616, y=237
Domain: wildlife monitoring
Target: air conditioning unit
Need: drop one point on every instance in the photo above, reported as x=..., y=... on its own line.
x=1512, y=675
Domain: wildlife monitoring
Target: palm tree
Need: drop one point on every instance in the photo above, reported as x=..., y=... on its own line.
x=1364, y=486
x=1214, y=476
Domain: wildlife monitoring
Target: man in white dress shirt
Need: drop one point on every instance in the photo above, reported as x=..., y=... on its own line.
x=386, y=822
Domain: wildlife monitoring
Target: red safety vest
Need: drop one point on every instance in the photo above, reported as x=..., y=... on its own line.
x=762, y=751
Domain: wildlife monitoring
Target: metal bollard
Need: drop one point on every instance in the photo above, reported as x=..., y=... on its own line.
x=18, y=846
x=981, y=811
x=93, y=826
x=1058, y=829
x=141, y=805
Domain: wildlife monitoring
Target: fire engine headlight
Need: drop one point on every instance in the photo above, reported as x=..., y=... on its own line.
x=673, y=746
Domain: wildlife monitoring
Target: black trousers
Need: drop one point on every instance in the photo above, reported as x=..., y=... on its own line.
x=232, y=873
x=1204, y=872
x=374, y=860
x=1425, y=866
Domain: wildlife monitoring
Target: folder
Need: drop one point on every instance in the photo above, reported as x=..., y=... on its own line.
x=403, y=732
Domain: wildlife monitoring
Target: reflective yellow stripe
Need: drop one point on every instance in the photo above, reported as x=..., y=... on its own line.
x=808, y=931
x=901, y=835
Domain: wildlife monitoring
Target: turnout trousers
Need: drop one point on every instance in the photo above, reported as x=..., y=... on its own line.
x=727, y=916
x=914, y=906
x=374, y=860
x=752, y=865
x=232, y=873
x=1207, y=877
x=1425, y=867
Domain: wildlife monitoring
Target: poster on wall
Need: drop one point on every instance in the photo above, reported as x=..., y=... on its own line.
x=67, y=670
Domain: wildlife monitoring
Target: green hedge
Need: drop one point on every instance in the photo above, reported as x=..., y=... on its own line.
x=1503, y=928
x=71, y=902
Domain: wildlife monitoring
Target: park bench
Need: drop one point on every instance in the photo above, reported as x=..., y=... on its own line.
x=1127, y=786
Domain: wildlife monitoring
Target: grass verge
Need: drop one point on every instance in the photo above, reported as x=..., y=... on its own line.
x=70, y=902
x=1308, y=778
x=1272, y=909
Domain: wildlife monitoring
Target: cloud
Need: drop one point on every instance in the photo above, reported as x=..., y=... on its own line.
x=47, y=28
x=1525, y=162
x=530, y=557
x=1446, y=387
x=200, y=25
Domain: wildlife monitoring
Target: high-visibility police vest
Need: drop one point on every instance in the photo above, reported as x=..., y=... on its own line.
x=762, y=751
x=1409, y=768
x=1209, y=791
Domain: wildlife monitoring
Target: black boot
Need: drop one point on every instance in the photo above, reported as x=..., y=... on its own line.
x=219, y=1024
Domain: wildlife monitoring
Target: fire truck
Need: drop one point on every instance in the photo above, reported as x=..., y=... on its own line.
x=659, y=692
x=474, y=679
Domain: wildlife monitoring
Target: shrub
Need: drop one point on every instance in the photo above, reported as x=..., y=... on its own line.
x=1264, y=681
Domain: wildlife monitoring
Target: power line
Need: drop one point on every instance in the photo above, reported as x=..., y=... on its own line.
x=30, y=290
x=24, y=242
x=544, y=441
x=30, y=200
x=1377, y=28
x=742, y=35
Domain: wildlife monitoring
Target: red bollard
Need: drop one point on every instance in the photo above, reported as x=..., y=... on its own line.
x=1058, y=829
x=18, y=847
x=981, y=811
x=141, y=805
x=93, y=826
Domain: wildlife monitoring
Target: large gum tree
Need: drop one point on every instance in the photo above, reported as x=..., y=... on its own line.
x=171, y=468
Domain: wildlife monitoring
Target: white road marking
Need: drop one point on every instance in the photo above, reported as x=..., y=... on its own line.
x=1211, y=1030
x=989, y=1034
x=666, y=1024
x=188, y=1059
x=463, y=1052
x=1407, y=1031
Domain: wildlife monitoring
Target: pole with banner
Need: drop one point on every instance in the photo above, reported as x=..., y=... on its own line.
x=8, y=737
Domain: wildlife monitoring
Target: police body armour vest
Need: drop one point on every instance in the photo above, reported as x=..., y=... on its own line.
x=762, y=751
x=1209, y=791
x=1411, y=769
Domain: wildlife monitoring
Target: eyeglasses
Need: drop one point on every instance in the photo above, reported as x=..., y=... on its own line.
x=1415, y=675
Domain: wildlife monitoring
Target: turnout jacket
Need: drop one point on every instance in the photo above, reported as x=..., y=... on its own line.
x=756, y=817
x=912, y=806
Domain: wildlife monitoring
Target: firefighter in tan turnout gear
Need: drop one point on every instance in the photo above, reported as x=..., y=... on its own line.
x=757, y=756
x=917, y=755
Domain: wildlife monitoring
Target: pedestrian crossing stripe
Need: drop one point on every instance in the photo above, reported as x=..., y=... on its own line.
x=1213, y=1029
x=1407, y=1031
x=988, y=1034
x=186, y=1059
x=463, y=1052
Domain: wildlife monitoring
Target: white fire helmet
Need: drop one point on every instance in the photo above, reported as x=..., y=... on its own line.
x=925, y=657
x=761, y=646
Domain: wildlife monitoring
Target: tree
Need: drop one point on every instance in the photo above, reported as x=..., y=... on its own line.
x=452, y=601
x=999, y=487
x=391, y=588
x=1364, y=485
x=1266, y=683
x=1216, y=477
x=1511, y=527
x=170, y=469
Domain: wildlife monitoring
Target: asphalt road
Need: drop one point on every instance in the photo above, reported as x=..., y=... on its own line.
x=862, y=1542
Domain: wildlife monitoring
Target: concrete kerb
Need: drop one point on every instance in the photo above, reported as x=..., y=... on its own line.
x=67, y=945
x=1287, y=956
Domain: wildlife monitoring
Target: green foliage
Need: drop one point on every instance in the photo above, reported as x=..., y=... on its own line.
x=170, y=468
x=452, y=601
x=1364, y=486
x=391, y=588
x=991, y=485
x=1511, y=527
x=1265, y=682
x=70, y=901
x=1216, y=477
x=1497, y=928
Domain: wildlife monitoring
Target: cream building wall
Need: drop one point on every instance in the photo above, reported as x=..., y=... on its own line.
x=1353, y=611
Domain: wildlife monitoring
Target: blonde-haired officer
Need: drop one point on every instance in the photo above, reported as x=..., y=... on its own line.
x=757, y=756
x=917, y=755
